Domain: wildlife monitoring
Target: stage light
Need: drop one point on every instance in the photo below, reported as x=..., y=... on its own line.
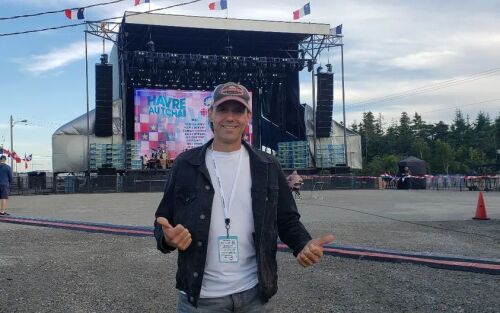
x=173, y=59
x=319, y=69
x=300, y=65
x=193, y=59
x=212, y=61
x=161, y=60
x=243, y=62
x=329, y=68
x=204, y=61
x=182, y=61
x=151, y=46
x=310, y=65
x=139, y=58
x=302, y=53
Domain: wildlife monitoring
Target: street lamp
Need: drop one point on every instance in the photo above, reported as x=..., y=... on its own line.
x=12, y=123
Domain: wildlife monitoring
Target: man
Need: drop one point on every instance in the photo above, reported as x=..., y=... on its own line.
x=5, y=180
x=223, y=208
x=295, y=182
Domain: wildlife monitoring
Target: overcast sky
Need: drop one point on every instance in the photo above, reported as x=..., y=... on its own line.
x=430, y=57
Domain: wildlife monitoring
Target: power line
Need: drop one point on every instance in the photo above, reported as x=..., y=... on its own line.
x=431, y=87
x=97, y=21
x=58, y=11
x=462, y=105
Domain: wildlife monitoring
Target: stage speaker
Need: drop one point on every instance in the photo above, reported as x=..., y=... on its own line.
x=324, y=105
x=103, y=100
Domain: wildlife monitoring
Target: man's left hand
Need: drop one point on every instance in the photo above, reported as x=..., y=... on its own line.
x=313, y=251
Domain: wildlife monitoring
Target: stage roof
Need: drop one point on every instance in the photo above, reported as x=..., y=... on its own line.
x=226, y=24
x=212, y=36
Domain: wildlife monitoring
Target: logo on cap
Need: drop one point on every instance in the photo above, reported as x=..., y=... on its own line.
x=232, y=90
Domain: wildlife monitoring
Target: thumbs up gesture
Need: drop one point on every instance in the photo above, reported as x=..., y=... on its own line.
x=178, y=237
x=313, y=251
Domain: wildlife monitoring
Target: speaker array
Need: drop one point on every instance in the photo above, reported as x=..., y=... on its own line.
x=324, y=105
x=103, y=100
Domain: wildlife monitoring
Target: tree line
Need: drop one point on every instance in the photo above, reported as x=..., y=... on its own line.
x=458, y=148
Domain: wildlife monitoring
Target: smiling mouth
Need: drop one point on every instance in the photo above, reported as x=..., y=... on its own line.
x=229, y=126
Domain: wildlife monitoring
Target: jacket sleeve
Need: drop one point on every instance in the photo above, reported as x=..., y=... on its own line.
x=10, y=175
x=166, y=210
x=290, y=230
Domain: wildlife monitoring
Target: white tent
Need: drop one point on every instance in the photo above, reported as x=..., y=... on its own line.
x=354, y=155
x=69, y=142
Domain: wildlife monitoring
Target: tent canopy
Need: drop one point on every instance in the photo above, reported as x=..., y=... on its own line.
x=416, y=166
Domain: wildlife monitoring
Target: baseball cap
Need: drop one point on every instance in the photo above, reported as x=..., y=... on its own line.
x=232, y=91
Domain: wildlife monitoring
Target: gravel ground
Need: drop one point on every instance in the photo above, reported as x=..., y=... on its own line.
x=55, y=270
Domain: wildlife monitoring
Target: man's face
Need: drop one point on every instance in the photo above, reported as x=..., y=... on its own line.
x=229, y=121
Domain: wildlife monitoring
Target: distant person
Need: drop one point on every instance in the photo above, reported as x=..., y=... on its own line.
x=163, y=159
x=145, y=160
x=223, y=208
x=406, y=172
x=5, y=181
x=295, y=182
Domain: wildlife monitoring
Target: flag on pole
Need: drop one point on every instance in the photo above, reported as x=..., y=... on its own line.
x=218, y=5
x=305, y=10
x=338, y=30
x=137, y=2
x=14, y=156
x=76, y=14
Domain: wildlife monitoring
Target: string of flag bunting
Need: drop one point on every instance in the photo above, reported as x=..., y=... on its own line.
x=16, y=157
x=79, y=14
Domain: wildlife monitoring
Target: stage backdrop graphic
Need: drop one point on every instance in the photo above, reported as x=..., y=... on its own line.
x=173, y=120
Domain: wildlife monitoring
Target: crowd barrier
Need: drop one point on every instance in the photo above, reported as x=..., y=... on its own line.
x=42, y=184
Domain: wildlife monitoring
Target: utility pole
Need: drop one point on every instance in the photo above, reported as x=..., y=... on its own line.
x=12, y=123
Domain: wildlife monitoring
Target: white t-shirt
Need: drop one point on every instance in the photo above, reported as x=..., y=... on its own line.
x=221, y=279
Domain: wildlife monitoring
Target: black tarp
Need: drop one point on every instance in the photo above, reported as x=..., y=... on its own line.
x=417, y=167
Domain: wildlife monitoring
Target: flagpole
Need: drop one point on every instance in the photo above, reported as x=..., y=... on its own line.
x=343, y=103
x=88, y=117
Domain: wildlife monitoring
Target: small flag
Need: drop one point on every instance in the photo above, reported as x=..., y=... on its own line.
x=76, y=14
x=137, y=2
x=218, y=5
x=305, y=10
x=338, y=30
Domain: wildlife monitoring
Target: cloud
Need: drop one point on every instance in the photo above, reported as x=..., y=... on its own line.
x=59, y=58
x=424, y=60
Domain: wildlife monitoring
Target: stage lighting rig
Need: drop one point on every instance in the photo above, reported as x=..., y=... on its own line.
x=212, y=61
x=310, y=65
x=319, y=69
x=151, y=46
x=329, y=68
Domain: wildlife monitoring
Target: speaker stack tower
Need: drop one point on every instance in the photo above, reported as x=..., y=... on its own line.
x=103, y=100
x=324, y=105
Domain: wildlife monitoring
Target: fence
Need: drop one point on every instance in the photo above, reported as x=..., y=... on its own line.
x=38, y=183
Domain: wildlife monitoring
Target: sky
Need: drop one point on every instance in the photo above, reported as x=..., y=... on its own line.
x=430, y=57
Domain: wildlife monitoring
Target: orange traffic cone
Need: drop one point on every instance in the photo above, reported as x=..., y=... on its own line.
x=481, y=208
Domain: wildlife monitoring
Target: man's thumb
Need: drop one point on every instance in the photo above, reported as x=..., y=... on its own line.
x=324, y=240
x=163, y=222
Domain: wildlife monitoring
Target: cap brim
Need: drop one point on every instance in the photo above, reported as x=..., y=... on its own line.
x=233, y=98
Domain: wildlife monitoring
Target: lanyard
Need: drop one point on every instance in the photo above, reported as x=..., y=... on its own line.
x=225, y=204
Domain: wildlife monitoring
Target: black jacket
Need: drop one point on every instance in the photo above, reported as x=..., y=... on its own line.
x=187, y=200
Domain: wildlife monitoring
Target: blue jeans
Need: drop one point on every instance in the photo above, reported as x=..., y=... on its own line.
x=247, y=301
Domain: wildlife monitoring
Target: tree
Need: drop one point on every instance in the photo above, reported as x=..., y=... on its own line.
x=459, y=130
x=443, y=160
x=405, y=135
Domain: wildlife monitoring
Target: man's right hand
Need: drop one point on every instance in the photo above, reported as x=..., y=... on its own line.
x=178, y=237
